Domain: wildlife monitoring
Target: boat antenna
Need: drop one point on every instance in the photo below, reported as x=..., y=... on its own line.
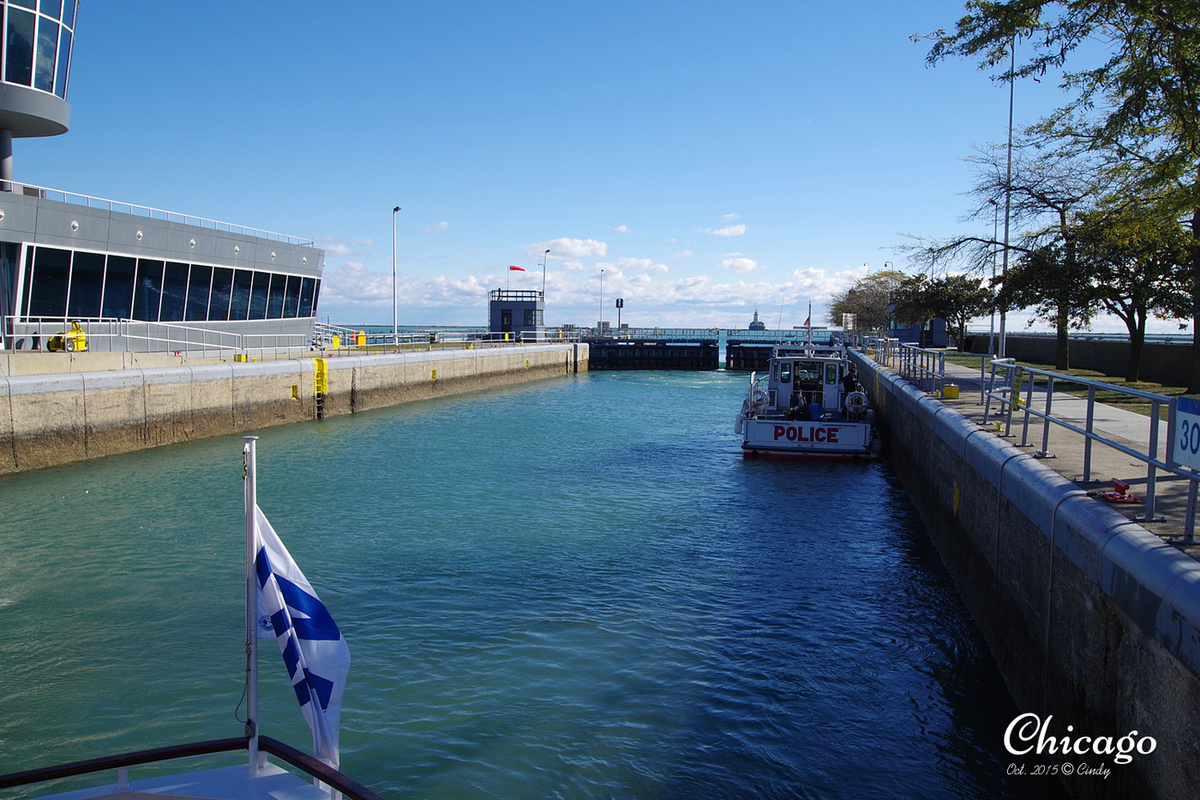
x=249, y=475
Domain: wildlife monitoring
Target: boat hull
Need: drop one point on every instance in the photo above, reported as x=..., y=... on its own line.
x=777, y=438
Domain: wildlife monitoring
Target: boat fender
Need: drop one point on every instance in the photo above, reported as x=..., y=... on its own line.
x=876, y=446
x=737, y=423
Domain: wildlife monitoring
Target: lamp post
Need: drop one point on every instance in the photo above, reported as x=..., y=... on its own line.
x=545, y=256
x=995, y=233
x=1008, y=187
x=600, y=322
x=395, y=315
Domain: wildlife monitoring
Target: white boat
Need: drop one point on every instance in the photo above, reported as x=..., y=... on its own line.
x=809, y=404
x=280, y=605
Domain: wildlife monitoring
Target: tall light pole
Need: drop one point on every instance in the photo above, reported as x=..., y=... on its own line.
x=395, y=315
x=545, y=256
x=995, y=232
x=1008, y=187
x=600, y=322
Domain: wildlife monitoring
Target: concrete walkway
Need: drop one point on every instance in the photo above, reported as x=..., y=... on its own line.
x=1064, y=451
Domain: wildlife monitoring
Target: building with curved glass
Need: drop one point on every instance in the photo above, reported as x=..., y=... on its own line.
x=135, y=278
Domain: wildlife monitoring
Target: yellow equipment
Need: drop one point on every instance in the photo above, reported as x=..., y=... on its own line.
x=71, y=341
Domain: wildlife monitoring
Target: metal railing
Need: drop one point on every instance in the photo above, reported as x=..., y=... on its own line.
x=296, y=758
x=62, y=196
x=125, y=335
x=1014, y=392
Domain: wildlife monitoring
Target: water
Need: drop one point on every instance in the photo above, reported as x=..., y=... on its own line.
x=575, y=588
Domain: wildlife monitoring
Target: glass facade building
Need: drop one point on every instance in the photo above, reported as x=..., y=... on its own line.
x=37, y=44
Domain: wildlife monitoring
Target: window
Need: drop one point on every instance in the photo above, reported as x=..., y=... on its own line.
x=51, y=274
x=52, y=8
x=174, y=292
x=275, y=298
x=258, y=295
x=291, y=297
x=222, y=286
x=197, y=298
x=316, y=295
x=239, y=305
x=531, y=318
x=118, y=287
x=47, y=45
x=306, y=296
x=147, y=289
x=18, y=47
x=64, y=60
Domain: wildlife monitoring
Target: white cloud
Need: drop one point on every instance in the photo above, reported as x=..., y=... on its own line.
x=622, y=229
x=437, y=228
x=566, y=248
x=339, y=250
x=730, y=217
x=736, y=262
x=732, y=230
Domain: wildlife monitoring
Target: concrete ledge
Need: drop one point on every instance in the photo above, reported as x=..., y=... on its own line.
x=50, y=419
x=1091, y=617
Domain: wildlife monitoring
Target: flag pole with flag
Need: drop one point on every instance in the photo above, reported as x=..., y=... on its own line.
x=511, y=269
x=285, y=607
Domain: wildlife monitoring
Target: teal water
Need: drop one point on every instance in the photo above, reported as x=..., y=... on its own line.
x=575, y=588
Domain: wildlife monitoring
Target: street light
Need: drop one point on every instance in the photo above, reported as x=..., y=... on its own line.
x=544, y=258
x=395, y=316
x=600, y=322
x=1008, y=187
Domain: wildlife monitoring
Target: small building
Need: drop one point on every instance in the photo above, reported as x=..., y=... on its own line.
x=757, y=324
x=518, y=313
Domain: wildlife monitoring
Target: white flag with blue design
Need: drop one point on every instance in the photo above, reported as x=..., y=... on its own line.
x=313, y=648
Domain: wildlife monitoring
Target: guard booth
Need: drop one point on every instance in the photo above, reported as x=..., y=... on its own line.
x=519, y=314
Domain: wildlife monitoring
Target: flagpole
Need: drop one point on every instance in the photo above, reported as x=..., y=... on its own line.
x=251, y=503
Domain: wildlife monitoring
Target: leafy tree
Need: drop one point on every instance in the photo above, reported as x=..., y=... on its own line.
x=1051, y=280
x=958, y=299
x=869, y=299
x=1143, y=99
x=1137, y=262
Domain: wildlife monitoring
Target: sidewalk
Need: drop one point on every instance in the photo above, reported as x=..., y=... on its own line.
x=1065, y=450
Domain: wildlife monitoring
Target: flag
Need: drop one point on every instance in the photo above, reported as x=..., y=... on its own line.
x=514, y=268
x=808, y=321
x=313, y=648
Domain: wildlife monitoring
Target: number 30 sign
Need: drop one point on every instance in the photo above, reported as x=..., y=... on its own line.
x=1187, y=433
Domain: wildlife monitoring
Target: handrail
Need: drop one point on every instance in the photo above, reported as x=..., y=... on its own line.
x=1008, y=394
x=296, y=758
x=89, y=201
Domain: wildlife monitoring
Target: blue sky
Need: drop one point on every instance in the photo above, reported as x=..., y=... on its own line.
x=711, y=158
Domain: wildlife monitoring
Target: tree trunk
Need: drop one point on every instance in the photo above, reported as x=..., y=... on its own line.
x=1137, y=344
x=1062, y=350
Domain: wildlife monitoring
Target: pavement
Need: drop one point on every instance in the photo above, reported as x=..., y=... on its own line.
x=1064, y=451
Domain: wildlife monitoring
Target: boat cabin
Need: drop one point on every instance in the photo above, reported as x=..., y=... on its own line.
x=804, y=376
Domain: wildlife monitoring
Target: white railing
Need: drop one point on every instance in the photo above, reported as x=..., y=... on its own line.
x=75, y=198
x=110, y=334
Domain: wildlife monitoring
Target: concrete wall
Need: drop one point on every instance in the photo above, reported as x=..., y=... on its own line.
x=54, y=419
x=1164, y=362
x=1091, y=618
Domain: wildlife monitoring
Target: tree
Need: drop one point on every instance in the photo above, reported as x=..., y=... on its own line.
x=955, y=298
x=1046, y=189
x=1051, y=280
x=1137, y=263
x=869, y=299
x=1143, y=100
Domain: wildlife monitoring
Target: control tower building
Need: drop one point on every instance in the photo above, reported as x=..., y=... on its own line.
x=126, y=277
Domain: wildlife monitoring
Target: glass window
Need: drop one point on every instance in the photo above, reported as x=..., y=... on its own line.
x=30, y=4
x=52, y=8
x=69, y=13
x=87, y=285
x=28, y=281
x=222, y=285
x=147, y=289
x=118, y=286
x=275, y=298
x=316, y=295
x=198, y=286
x=306, y=296
x=43, y=75
x=64, y=59
x=18, y=47
x=239, y=304
x=174, y=292
x=51, y=272
x=258, y=295
x=291, y=298
x=831, y=372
